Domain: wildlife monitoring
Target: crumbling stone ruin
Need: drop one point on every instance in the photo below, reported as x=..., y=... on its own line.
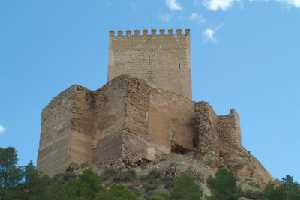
x=144, y=113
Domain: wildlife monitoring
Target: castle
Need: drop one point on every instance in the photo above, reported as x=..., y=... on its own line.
x=145, y=111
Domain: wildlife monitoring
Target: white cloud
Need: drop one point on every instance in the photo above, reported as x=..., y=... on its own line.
x=173, y=5
x=216, y=5
x=2, y=129
x=224, y=5
x=209, y=33
x=295, y=3
x=196, y=17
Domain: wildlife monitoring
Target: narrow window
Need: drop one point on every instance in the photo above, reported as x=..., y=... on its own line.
x=179, y=66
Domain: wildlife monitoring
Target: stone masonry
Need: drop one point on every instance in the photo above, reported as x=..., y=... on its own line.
x=126, y=120
x=142, y=114
x=161, y=59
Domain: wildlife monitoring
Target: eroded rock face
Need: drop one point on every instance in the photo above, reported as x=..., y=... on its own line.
x=171, y=165
x=219, y=144
x=128, y=123
x=240, y=162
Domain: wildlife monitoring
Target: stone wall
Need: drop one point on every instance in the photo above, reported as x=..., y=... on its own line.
x=162, y=60
x=206, y=128
x=137, y=112
x=154, y=120
x=128, y=120
x=110, y=113
x=82, y=129
x=170, y=120
x=228, y=127
x=64, y=122
x=219, y=144
x=122, y=125
x=124, y=121
x=215, y=130
x=127, y=123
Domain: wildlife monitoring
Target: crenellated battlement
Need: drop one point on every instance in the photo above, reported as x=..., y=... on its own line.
x=180, y=33
x=161, y=57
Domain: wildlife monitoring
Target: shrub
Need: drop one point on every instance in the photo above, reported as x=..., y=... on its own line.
x=185, y=188
x=117, y=192
x=287, y=189
x=162, y=196
x=223, y=186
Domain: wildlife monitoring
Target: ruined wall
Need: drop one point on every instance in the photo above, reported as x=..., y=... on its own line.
x=138, y=107
x=229, y=128
x=110, y=121
x=162, y=60
x=80, y=126
x=215, y=130
x=206, y=128
x=82, y=129
x=151, y=122
x=125, y=122
x=170, y=120
x=65, y=130
x=110, y=108
x=138, y=146
x=219, y=144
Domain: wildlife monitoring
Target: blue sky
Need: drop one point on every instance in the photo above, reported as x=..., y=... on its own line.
x=245, y=55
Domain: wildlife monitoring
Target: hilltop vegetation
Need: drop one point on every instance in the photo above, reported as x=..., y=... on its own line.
x=26, y=183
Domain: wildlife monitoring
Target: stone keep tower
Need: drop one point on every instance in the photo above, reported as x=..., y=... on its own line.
x=161, y=59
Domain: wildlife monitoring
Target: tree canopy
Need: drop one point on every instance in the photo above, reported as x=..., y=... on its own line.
x=26, y=183
x=223, y=186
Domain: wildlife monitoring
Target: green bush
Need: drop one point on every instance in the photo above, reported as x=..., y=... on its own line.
x=223, y=186
x=10, y=174
x=287, y=189
x=117, y=192
x=25, y=183
x=161, y=196
x=185, y=188
x=152, y=180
